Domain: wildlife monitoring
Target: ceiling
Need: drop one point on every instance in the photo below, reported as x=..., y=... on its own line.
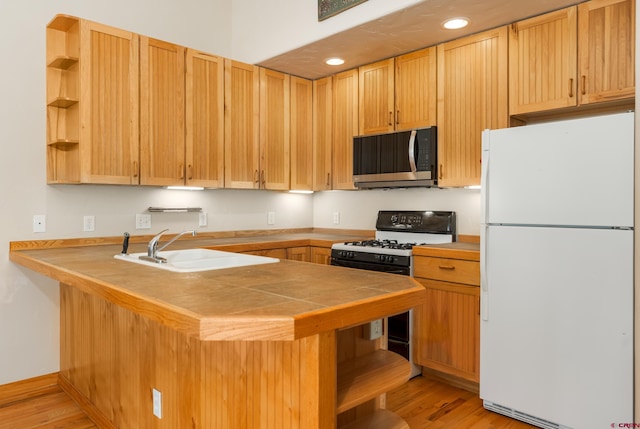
x=407, y=30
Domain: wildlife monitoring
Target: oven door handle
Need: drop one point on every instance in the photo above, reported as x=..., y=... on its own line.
x=412, y=151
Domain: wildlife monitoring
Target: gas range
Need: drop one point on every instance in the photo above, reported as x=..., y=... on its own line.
x=396, y=234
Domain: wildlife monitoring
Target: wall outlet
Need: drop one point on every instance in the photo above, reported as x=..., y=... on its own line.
x=157, y=403
x=39, y=223
x=89, y=223
x=372, y=330
x=143, y=221
x=202, y=219
x=336, y=218
x=271, y=218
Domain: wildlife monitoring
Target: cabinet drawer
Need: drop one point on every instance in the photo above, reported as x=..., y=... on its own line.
x=449, y=270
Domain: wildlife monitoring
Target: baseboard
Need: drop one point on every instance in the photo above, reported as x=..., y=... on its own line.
x=451, y=380
x=23, y=389
x=85, y=405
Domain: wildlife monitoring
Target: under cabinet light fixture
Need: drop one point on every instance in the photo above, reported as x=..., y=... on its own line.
x=455, y=23
x=185, y=188
x=300, y=191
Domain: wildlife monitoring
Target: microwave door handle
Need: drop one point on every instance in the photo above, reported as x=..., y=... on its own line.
x=412, y=151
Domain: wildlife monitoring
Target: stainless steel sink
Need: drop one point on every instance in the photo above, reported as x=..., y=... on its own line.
x=192, y=260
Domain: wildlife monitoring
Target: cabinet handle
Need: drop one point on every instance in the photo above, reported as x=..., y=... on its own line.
x=181, y=171
x=135, y=168
x=255, y=176
x=440, y=172
x=190, y=172
x=262, y=178
x=397, y=117
x=570, y=87
x=584, y=85
x=328, y=179
x=446, y=267
x=390, y=118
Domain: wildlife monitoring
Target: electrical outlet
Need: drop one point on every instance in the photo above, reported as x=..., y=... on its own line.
x=143, y=221
x=157, y=403
x=271, y=218
x=202, y=219
x=89, y=223
x=372, y=330
x=336, y=218
x=39, y=223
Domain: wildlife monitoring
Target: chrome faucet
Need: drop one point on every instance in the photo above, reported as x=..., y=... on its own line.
x=152, y=247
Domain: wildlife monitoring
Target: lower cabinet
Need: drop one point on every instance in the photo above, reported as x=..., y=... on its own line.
x=447, y=331
x=321, y=255
x=301, y=253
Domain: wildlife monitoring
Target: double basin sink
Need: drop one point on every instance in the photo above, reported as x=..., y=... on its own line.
x=193, y=260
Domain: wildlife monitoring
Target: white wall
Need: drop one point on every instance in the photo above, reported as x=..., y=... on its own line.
x=29, y=314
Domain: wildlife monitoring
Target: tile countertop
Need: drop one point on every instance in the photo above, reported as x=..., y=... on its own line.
x=281, y=301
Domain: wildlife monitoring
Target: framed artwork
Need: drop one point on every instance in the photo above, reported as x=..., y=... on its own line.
x=328, y=8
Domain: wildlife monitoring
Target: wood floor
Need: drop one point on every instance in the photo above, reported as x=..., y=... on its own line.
x=423, y=403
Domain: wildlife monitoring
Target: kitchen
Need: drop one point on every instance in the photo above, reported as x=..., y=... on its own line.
x=29, y=301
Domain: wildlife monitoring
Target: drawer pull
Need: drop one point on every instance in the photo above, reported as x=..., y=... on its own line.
x=446, y=267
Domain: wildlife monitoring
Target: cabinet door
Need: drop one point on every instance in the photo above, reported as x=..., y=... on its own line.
x=415, y=84
x=345, y=126
x=448, y=329
x=606, y=49
x=274, y=129
x=321, y=255
x=241, y=131
x=542, y=62
x=322, y=133
x=301, y=134
x=472, y=96
x=109, y=125
x=299, y=253
x=162, y=85
x=376, y=82
x=204, y=120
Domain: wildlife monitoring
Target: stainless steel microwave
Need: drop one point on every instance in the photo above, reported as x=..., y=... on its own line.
x=396, y=160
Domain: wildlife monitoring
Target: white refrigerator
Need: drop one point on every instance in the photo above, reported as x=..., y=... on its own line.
x=556, y=331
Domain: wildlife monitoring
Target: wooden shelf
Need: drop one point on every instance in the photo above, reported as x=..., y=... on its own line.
x=62, y=102
x=64, y=144
x=380, y=419
x=63, y=62
x=369, y=376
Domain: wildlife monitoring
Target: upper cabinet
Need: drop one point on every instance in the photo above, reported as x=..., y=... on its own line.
x=162, y=110
x=376, y=97
x=322, y=133
x=416, y=88
x=398, y=93
x=575, y=56
x=92, y=103
x=241, y=125
x=606, y=50
x=204, y=116
x=301, y=135
x=274, y=130
x=345, y=127
x=472, y=96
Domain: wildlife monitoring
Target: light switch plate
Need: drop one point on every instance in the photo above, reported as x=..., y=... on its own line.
x=202, y=219
x=271, y=218
x=143, y=221
x=39, y=223
x=89, y=223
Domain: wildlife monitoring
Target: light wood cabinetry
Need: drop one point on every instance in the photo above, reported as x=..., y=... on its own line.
x=274, y=130
x=448, y=325
x=322, y=133
x=204, y=120
x=575, y=56
x=472, y=96
x=241, y=125
x=416, y=89
x=398, y=93
x=376, y=97
x=92, y=103
x=162, y=113
x=321, y=255
x=301, y=135
x=345, y=126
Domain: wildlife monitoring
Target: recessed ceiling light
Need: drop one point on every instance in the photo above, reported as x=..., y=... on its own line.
x=335, y=61
x=455, y=23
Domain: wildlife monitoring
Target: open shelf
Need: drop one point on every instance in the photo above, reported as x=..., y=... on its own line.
x=368, y=376
x=63, y=62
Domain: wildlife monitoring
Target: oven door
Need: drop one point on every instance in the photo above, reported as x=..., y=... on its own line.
x=393, y=269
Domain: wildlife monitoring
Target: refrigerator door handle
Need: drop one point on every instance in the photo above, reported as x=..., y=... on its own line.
x=484, y=278
x=484, y=177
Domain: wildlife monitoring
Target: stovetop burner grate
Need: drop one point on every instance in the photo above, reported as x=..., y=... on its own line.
x=383, y=244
